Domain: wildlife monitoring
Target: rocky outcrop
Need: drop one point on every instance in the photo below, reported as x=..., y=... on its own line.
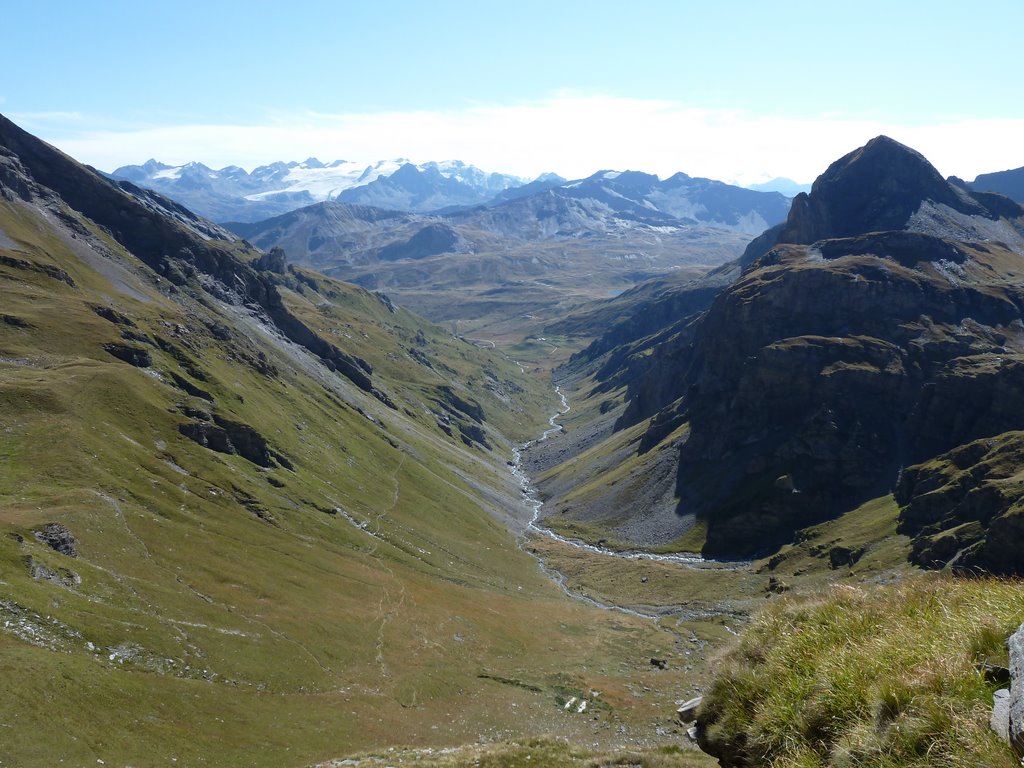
x=453, y=402
x=58, y=538
x=965, y=508
x=207, y=435
x=465, y=415
x=232, y=437
x=136, y=356
x=46, y=269
x=62, y=577
x=188, y=387
x=272, y=261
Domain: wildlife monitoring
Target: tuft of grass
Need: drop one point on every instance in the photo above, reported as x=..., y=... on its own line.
x=882, y=677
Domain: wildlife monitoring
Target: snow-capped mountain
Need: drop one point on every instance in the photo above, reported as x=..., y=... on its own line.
x=430, y=187
x=628, y=223
x=232, y=194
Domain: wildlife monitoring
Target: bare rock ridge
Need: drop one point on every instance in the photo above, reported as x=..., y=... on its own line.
x=878, y=328
x=168, y=238
x=877, y=187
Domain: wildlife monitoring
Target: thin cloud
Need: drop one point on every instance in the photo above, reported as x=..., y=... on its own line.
x=571, y=134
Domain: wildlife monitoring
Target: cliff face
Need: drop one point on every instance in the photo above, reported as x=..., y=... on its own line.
x=814, y=378
x=878, y=327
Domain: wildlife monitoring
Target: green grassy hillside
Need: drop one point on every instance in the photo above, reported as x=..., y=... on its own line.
x=258, y=561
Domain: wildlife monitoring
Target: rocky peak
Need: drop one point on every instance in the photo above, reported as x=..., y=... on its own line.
x=407, y=172
x=877, y=187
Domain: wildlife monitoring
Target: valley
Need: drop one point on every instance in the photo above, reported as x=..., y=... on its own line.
x=505, y=484
x=263, y=517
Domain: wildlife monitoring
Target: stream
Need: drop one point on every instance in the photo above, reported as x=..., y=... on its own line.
x=533, y=502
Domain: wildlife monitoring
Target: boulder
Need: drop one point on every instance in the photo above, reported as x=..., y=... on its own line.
x=843, y=556
x=1016, y=698
x=688, y=711
x=1000, y=718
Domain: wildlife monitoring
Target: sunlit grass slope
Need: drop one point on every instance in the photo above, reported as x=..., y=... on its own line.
x=357, y=588
x=885, y=676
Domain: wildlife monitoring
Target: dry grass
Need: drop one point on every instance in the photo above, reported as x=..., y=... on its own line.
x=880, y=677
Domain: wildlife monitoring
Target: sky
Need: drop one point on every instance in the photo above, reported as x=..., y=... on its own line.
x=735, y=90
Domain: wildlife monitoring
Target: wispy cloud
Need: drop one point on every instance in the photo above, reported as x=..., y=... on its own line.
x=571, y=134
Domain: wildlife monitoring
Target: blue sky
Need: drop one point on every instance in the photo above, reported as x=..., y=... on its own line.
x=734, y=90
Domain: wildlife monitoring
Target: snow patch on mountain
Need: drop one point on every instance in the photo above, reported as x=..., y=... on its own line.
x=326, y=182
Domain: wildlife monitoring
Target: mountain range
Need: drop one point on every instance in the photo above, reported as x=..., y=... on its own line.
x=233, y=194
x=549, y=243
x=788, y=187
x=1009, y=183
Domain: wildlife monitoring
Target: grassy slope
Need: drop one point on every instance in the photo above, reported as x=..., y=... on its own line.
x=225, y=615
x=881, y=677
x=531, y=754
